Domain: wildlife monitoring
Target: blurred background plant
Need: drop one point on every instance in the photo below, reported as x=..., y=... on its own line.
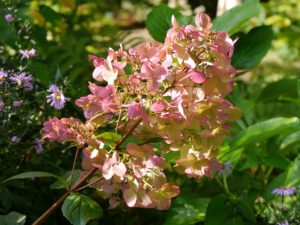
x=262, y=155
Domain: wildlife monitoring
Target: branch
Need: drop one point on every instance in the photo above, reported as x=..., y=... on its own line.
x=41, y=219
x=74, y=164
x=76, y=187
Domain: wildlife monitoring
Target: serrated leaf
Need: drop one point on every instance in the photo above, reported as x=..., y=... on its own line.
x=80, y=209
x=230, y=20
x=67, y=177
x=263, y=130
x=36, y=174
x=159, y=21
x=13, y=218
x=252, y=47
x=291, y=139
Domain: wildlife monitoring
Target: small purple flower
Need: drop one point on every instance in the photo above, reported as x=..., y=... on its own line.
x=22, y=80
x=9, y=18
x=57, y=98
x=27, y=53
x=15, y=139
x=283, y=223
x=283, y=191
x=3, y=75
x=1, y=104
x=226, y=170
x=16, y=103
x=38, y=147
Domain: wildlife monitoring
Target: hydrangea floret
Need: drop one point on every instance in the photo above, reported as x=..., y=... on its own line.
x=172, y=92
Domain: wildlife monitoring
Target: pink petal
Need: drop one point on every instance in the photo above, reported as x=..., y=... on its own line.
x=157, y=107
x=197, y=77
x=120, y=169
x=130, y=197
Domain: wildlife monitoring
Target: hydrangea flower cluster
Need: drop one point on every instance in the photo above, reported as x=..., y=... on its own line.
x=172, y=92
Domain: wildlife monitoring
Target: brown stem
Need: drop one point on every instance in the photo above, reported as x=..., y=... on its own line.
x=125, y=125
x=119, y=119
x=89, y=184
x=74, y=164
x=128, y=133
x=41, y=219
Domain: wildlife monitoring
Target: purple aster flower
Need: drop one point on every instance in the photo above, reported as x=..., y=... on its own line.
x=283, y=223
x=283, y=191
x=16, y=103
x=22, y=80
x=1, y=104
x=15, y=139
x=57, y=98
x=38, y=147
x=226, y=170
x=27, y=53
x=3, y=75
x=9, y=18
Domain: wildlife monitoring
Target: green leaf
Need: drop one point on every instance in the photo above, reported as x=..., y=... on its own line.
x=226, y=155
x=218, y=211
x=187, y=209
x=291, y=139
x=230, y=20
x=36, y=174
x=110, y=136
x=49, y=14
x=79, y=209
x=298, y=87
x=252, y=47
x=246, y=211
x=13, y=218
x=159, y=21
x=263, y=130
x=276, y=161
x=284, y=87
x=67, y=177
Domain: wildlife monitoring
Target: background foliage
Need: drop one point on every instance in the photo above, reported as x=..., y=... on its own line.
x=262, y=154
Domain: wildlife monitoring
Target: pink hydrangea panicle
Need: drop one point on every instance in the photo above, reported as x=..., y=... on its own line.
x=56, y=97
x=173, y=91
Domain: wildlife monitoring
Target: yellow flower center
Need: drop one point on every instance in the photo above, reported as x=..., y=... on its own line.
x=57, y=96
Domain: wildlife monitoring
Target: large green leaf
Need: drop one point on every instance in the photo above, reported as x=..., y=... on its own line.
x=291, y=139
x=263, y=130
x=67, y=177
x=274, y=90
x=79, y=209
x=230, y=20
x=13, y=218
x=187, y=209
x=159, y=21
x=252, y=47
x=36, y=174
